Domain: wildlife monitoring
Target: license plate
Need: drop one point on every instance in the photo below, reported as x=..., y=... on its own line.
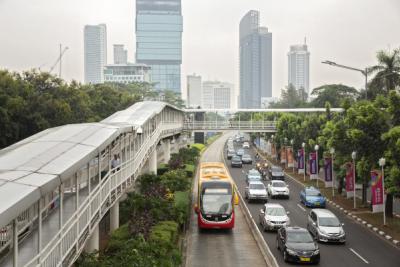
x=304, y=259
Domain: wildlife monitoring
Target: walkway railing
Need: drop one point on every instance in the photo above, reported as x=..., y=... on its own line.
x=257, y=126
x=68, y=243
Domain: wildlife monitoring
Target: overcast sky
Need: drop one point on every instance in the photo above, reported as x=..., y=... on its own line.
x=346, y=31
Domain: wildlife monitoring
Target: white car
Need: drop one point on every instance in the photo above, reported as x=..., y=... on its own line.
x=325, y=226
x=278, y=188
x=273, y=216
x=246, y=145
x=256, y=191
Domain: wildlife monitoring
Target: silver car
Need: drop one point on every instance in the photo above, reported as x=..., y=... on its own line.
x=273, y=216
x=256, y=191
x=325, y=226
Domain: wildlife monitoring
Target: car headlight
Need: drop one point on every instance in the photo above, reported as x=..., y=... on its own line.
x=341, y=232
x=322, y=232
x=291, y=252
x=316, y=252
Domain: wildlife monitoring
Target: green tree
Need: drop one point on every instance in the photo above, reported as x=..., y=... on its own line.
x=291, y=98
x=334, y=94
x=387, y=73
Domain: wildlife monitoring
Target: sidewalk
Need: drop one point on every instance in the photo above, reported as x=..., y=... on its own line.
x=392, y=227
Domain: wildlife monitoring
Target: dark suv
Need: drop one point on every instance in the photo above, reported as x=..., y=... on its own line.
x=297, y=245
x=276, y=173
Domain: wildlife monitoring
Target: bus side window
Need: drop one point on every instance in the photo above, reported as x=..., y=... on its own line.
x=236, y=198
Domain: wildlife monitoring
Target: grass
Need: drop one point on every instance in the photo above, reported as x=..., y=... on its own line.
x=392, y=226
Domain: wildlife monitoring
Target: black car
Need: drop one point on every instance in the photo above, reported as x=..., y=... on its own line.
x=276, y=173
x=236, y=161
x=297, y=245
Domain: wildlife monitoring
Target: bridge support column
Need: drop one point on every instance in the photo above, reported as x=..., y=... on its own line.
x=93, y=243
x=153, y=162
x=114, y=216
x=167, y=150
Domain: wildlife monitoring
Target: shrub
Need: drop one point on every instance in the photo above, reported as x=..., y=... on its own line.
x=189, y=169
x=175, y=180
x=198, y=147
x=163, y=168
x=181, y=204
x=118, y=239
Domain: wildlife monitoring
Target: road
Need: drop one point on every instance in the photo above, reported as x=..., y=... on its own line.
x=362, y=248
x=216, y=248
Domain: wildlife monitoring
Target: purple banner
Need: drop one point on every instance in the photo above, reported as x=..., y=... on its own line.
x=300, y=159
x=313, y=163
x=328, y=169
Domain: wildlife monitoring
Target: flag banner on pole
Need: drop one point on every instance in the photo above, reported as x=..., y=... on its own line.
x=349, y=179
x=313, y=166
x=273, y=151
x=283, y=155
x=290, y=158
x=328, y=172
x=300, y=160
x=376, y=191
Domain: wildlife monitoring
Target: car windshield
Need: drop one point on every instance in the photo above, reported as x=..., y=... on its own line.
x=276, y=169
x=256, y=186
x=246, y=156
x=216, y=203
x=278, y=185
x=236, y=158
x=231, y=151
x=277, y=211
x=313, y=193
x=329, y=222
x=299, y=237
x=254, y=177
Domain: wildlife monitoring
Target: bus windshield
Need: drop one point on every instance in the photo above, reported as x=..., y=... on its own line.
x=216, y=201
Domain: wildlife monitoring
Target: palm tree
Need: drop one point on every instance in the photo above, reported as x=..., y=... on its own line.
x=387, y=71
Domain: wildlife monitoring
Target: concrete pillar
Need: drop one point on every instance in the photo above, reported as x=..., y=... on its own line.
x=153, y=162
x=114, y=216
x=167, y=150
x=93, y=242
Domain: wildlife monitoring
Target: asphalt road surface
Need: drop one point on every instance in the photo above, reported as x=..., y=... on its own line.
x=220, y=248
x=362, y=248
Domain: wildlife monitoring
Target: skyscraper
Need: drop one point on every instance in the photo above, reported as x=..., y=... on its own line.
x=120, y=54
x=95, y=49
x=159, y=41
x=255, y=50
x=194, y=92
x=299, y=67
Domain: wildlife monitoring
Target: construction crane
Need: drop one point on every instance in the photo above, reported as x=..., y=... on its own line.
x=59, y=60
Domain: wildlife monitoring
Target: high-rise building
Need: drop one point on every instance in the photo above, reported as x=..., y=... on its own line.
x=159, y=29
x=218, y=95
x=95, y=49
x=194, y=92
x=299, y=67
x=255, y=61
x=120, y=54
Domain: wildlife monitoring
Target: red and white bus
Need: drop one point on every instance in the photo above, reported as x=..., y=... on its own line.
x=217, y=197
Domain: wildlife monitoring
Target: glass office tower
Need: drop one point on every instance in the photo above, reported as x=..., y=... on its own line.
x=159, y=41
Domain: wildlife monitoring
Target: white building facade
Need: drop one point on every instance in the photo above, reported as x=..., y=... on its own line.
x=95, y=50
x=218, y=95
x=120, y=54
x=127, y=73
x=194, y=92
x=299, y=67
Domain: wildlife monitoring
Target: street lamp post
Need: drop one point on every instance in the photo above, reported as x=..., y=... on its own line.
x=353, y=156
x=316, y=153
x=363, y=72
x=332, y=150
x=382, y=162
x=292, y=142
x=303, y=145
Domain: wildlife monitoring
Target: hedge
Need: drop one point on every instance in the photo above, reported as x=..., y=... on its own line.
x=189, y=169
x=199, y=147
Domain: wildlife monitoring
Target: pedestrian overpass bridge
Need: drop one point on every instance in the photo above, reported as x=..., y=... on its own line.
x=57, y=185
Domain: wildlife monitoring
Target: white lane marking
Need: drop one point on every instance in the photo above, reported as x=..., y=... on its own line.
x=298, y=205
x=358, y=255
